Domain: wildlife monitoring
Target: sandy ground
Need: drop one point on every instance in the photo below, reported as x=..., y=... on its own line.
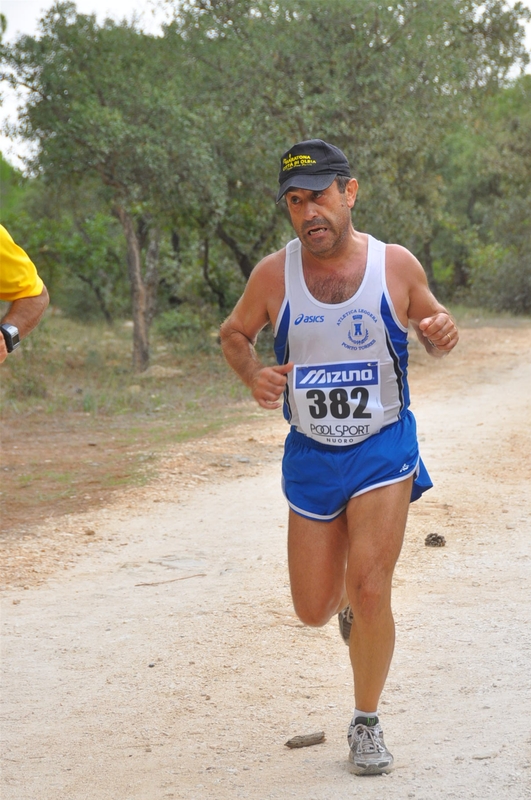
x=150, y=650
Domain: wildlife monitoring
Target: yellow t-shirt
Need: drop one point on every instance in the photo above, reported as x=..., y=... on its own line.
x=18, y=275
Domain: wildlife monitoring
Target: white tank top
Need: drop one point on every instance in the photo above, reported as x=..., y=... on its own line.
x=349, y=378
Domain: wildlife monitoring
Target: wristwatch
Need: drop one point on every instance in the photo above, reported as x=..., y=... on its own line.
x=11, y=336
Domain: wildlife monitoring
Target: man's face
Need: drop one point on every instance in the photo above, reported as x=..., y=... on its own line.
x=322, y=219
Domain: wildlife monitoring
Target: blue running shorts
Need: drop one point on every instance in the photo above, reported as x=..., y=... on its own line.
x=318, y=480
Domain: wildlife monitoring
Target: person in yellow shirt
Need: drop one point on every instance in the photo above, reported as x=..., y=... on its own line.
x=23, y=289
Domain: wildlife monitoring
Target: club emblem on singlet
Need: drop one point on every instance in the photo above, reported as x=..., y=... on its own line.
x=358, y=327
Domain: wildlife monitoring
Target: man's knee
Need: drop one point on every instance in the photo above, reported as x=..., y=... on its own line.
x=369, y=597
x=314, y=613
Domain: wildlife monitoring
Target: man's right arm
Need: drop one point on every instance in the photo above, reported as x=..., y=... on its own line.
x=258, y=305
x=25, y=315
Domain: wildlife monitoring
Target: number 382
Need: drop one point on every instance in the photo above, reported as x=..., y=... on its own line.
x=338, y=403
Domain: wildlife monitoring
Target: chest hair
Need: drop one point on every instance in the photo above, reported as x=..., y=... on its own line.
x=334, y=289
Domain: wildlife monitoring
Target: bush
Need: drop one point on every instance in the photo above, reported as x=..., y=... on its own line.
x=192, y=327
x=500, y=280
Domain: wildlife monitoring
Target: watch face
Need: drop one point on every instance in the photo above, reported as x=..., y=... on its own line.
x=11, y=336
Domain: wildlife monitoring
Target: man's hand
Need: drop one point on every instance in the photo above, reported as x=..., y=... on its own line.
x=440, y=333
x=268, y=385
x=3, y=349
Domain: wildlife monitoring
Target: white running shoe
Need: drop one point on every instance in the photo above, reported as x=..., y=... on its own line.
x=368, y=754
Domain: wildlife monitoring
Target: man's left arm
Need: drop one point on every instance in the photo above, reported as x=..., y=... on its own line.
x=24, y=314
x=434, y=325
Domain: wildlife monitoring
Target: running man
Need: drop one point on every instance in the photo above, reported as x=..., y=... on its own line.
x=340, y=303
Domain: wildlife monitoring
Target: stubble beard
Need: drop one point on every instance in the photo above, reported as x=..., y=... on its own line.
x=333, y=246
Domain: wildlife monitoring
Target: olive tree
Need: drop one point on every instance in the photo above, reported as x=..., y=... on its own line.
x=103, y=103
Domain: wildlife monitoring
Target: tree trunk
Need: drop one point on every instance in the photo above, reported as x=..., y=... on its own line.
x=460, y=274
x=99, y=296
x=142, y=290
x=246, y=261
x=151, y=280
x=217, y=290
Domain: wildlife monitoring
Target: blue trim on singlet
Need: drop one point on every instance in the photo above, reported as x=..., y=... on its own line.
x=281, y=337
x=281, y=347
x=396, y=340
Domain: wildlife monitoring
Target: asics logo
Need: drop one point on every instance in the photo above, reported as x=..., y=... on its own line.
x=305, y=318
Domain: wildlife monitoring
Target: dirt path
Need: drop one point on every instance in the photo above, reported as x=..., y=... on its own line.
x=154, y=653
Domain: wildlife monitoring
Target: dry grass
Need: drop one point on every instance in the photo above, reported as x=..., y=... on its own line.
x=78, y=423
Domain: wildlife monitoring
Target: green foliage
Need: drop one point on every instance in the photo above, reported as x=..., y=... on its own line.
x=92, y=251
x=109, y=102
x=197, y=273
x=387, y=83
x=179, y=137
x=104, y=105
x=485, y=234
x=76, y=245
x=499, y=279
x=189, y=326
x=11, y=188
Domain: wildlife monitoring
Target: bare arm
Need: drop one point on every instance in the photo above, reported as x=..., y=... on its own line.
x=258, y=305
x=435, y=327
x=25, y=315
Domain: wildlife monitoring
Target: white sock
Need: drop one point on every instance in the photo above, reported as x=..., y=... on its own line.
x=368, y=714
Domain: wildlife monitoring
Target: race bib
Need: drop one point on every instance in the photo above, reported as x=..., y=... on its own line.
x=338, y=404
